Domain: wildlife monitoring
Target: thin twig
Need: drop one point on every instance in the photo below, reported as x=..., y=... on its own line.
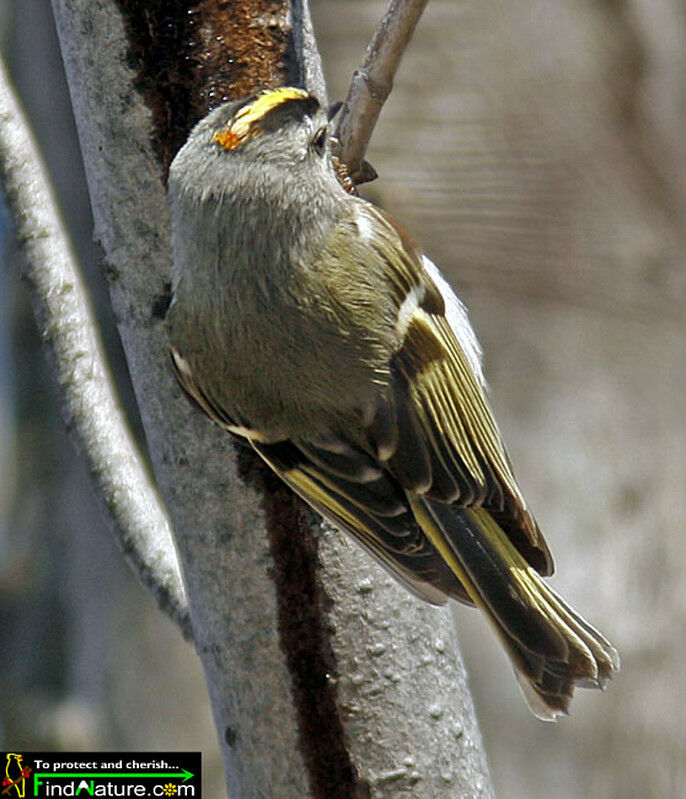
x=88, y=398
x=372, y=83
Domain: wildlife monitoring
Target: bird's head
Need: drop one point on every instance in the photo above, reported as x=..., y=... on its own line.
x=279, y=135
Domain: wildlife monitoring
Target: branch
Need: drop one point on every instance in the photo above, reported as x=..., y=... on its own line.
x=371, y=85
x=88, y=398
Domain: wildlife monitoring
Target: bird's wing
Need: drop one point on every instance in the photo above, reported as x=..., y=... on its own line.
x=436, y=432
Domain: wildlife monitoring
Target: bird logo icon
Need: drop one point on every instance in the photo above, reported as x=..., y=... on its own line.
x=15, y=775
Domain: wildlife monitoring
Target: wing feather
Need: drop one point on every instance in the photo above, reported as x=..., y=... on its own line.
x=395, y=540
x=459, y=429
x=437, y=368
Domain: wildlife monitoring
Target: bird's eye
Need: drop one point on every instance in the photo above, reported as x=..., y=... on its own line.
x=319, y=141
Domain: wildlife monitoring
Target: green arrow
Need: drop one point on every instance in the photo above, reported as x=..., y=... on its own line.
x=186, y=775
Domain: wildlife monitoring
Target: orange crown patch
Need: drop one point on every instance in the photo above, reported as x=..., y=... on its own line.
x=242, y=125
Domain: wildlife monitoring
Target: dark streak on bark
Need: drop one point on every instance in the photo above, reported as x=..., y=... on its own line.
x=159, y=35
x=192, y=56
x=305, y=635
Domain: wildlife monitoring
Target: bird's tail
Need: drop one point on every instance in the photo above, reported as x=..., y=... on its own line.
x=551, y=647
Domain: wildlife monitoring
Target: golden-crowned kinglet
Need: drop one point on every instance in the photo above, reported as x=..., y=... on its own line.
x=307, y=322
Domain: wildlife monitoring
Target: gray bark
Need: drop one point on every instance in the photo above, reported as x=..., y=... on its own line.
x=405, y=716
x=68, y=327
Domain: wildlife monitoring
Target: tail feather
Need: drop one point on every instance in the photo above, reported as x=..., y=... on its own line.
x=552, y=648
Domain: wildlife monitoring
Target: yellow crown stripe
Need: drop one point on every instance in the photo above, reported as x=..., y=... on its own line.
x=251, y=113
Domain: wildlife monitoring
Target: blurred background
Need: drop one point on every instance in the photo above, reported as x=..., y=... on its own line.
x=537, y=151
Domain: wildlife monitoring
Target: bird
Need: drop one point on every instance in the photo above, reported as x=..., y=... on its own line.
x=311, y=325
x=15, y=774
